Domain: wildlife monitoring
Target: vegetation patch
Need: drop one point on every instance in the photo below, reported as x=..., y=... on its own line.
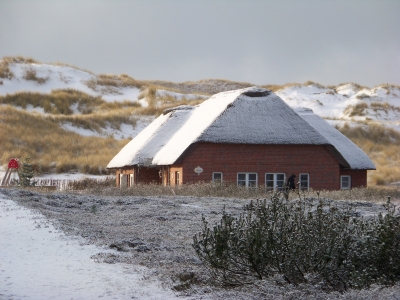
x=302, y=240
x=30, y=74
x=381, y=144
x=109, y=83
x=60, y=102
x=50, y=148
x=5, y=71
x=356, y=110
x=363, y=96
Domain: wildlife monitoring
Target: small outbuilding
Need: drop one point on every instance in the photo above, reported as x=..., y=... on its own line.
x=249, y=137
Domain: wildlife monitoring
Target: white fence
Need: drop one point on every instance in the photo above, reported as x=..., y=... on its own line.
x=57, y=184
x=61, y=184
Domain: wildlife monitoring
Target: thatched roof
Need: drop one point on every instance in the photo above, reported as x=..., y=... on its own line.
x=247, y=116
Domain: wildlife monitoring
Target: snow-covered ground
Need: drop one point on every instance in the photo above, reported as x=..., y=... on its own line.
x=37, y=261
x=383, y=102
x=62, y=246
x=126, y=131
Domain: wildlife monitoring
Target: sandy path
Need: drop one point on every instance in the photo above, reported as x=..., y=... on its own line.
x=39, y=262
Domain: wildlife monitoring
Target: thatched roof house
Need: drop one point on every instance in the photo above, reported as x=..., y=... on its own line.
x=247, y=133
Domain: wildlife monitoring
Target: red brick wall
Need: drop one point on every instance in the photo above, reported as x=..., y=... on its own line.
x=148, y=175
x=358, y=177
x=322, y=167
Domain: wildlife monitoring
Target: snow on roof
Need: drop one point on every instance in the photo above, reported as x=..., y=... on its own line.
x=248, y=116
x=261, y=120
x=147, y=143
x=354, y=156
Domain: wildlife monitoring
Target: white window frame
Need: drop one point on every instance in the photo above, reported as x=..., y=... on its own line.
x=341, y=182
x=275, y=181
x=123, y=180
x=301, y=183
x=217, y=180
x=131, y=182
x=247, y=175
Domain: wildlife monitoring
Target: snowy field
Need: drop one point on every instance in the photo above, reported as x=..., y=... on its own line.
x=37, y=261
x=78, y=246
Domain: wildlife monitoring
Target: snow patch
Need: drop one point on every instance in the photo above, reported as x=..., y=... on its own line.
x=40, y=262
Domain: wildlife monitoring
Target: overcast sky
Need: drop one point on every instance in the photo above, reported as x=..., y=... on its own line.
x=261, y=42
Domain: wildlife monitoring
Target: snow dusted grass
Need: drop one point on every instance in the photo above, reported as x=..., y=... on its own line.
x=156, y=232
x=376, y=194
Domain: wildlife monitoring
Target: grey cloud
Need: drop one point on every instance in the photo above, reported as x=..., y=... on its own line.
x=256, y=41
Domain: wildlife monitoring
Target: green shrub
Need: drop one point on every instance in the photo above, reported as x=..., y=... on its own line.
x=302, y=239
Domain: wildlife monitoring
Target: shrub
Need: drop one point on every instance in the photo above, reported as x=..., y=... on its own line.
x=300, y=240
x=26, y=174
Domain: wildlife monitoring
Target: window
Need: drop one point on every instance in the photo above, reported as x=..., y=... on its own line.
x=274, y=181
x=247, y=179
x=304, y=181
x=345, y=182
x=131, y=180
x=217, y=177
x=123, y=180
x=177, y=178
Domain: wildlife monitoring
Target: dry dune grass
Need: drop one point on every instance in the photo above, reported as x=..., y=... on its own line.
x=60, y=102
x=50, y=147
x=5, y=71
x=30, y=74
x=110, y=83
x=382, y=146
x=202, y=87
x=277, y=87
x=19, y=59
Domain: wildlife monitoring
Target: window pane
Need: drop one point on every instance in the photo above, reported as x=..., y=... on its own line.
x=217, y=176
x=252, y=183
x=269, y=184
x=270, y=177
x=280, y=184
x=280, y=181
x=241, y=179
x=304, y=181
x=252, y=177
x=241, y=183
